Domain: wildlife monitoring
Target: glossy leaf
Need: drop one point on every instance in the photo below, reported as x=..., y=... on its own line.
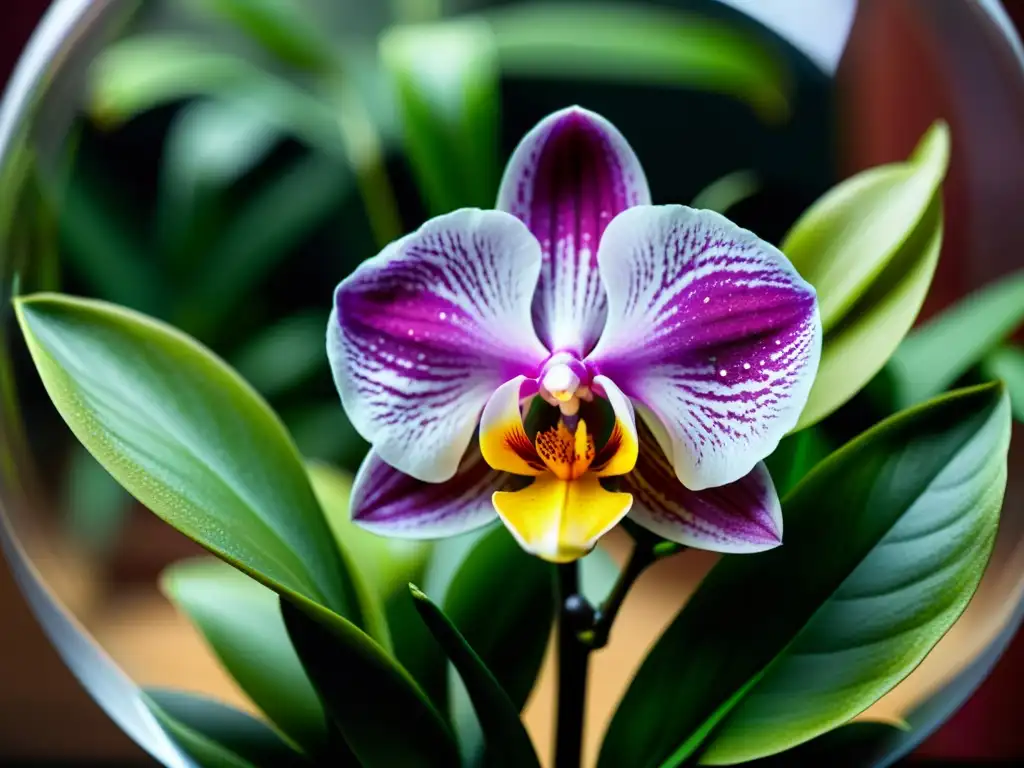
x=886, y=541
x=1007, y=363
x=288, y=29
x=855, y=745
x=216, y=735
x=383, y=715
x=241, y=620
x=935, y=355
x=501, y=600
x=843, y=242
x=95, y=504
x=637, y=43
x=191, y=441
x=446, y=79
x=797, y=455
x=508, y=743
x=870, y=247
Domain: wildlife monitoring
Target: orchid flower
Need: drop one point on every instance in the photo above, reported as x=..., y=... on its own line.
x=581, y=304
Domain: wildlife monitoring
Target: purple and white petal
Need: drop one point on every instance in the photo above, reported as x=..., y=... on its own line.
x=570, y=176
x=712, y=331
x=391, y=503
x=741, y=517
x=424, y=332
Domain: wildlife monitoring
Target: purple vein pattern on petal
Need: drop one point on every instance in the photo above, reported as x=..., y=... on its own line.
x=713, y=331
x=570, y=176
x=423, y=333
x=743, y=516
x=391, y=503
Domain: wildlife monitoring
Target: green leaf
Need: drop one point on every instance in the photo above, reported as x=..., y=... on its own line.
x=446, y=79
x=191, y=441
x=725, y=192
x=885, y=543
x=637, y=43
x=1007, y=363
x=218, y=736
x=241, y=620
x=284, y=355
x=870, y=247
x=938, y=353
x=508, y=743
x=502, y=601
x=843, y=242
x=797, y=455
x=288, y=29
x=854, y=745
x=383, y=715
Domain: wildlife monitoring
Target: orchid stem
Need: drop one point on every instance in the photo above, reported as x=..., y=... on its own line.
x=573, y=658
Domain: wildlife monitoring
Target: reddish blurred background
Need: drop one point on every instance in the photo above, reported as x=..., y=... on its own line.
x=907, y=63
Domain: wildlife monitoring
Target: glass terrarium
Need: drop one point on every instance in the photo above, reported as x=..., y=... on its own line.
x=184, y=183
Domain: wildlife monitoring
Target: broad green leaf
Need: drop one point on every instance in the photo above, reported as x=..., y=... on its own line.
x=855, y=745
x=725, y=192
x=191, y=441
x=446, y=79
x=241, y=620
x=638, y=43
x=797, y=455
x=508, y=743
x=218, y=736
x=886, y=541
x=938, y=353
x=382, y=713
x=502, y=601
x=842, y=243
x=284, y=355
x=1007, y=363
x=288, y=29
x=858, y=342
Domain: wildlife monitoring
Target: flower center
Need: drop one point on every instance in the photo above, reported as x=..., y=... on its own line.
x=568, y=454
x=564, y=383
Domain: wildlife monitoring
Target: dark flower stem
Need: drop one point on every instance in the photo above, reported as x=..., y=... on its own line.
x=573, y=658
x=581, y=630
